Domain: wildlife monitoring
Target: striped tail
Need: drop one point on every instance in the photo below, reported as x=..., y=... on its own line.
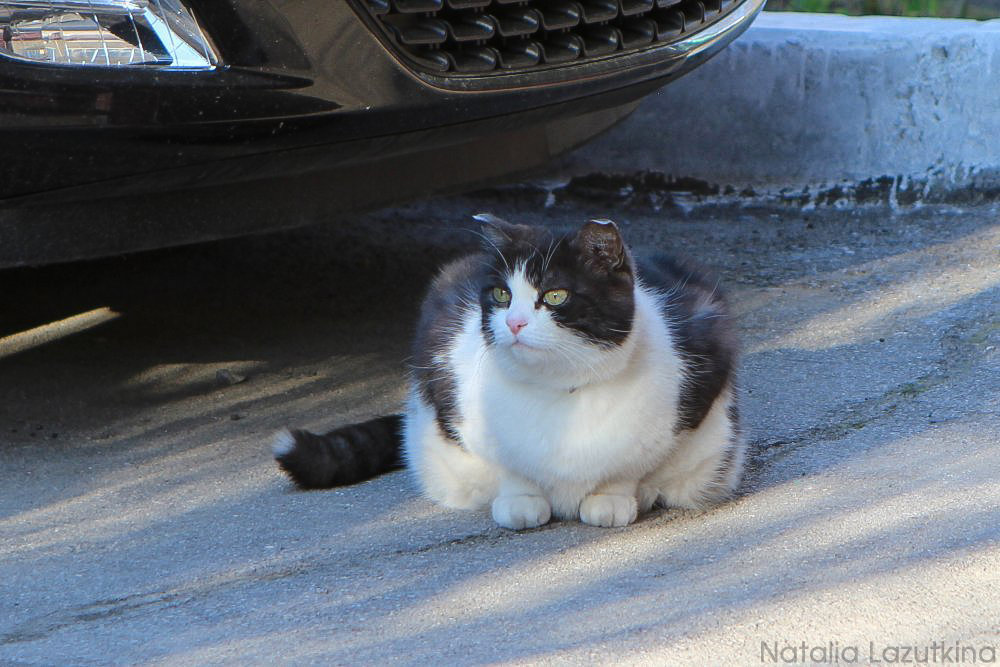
x=346, y=455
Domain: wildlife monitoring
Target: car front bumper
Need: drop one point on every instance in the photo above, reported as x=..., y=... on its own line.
x=306, y=121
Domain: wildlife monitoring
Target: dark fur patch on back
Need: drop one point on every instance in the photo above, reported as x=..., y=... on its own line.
x=702, y=330
x=451, y=294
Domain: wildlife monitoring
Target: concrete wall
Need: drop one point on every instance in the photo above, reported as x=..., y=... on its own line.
x=816, y=108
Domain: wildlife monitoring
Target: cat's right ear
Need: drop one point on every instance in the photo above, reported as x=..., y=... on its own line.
x=602, y=245
x=497, y=231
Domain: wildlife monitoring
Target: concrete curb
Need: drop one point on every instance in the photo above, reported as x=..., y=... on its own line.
x=814, y=110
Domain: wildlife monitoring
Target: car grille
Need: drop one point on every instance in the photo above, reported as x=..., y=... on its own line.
x=454, y=37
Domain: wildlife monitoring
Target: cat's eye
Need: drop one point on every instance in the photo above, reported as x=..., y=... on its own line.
x=555, y=297
x=500, y=295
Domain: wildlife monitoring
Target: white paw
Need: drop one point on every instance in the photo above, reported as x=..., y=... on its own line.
x=605, y=510
x=520, y=512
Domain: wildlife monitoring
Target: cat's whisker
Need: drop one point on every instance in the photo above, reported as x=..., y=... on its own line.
x=535, y=251
x=576, y=356
x=493, y=245
x=552, y=252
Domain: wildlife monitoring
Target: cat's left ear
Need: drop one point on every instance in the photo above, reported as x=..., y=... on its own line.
x=602, y=244
x=497, y=230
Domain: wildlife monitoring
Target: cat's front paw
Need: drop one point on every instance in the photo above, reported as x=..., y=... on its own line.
x=520, y=512
x=607, y=510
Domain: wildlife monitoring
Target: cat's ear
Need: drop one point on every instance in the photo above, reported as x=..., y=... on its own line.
x=602, y=245
x=496, y=230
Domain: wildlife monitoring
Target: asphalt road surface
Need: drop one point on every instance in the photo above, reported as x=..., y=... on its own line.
x=142, y=519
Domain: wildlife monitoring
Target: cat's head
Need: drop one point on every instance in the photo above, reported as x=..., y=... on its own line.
x=558, y=304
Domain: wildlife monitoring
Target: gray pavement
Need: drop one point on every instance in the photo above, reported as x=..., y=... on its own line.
x=142, y=519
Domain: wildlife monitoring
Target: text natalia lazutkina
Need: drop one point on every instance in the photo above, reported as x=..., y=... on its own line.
x=834, y=653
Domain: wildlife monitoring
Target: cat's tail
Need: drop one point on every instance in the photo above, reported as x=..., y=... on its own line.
x=346, y=455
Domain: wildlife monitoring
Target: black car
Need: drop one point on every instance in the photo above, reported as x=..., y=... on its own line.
x=132, y=124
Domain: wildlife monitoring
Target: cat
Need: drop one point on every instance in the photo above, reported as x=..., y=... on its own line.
x=555, y=375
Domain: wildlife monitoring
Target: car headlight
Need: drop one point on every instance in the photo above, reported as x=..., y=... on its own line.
x=104, y=33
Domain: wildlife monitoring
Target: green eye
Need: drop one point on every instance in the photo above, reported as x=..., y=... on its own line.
x=500, y=295
x=555, y=297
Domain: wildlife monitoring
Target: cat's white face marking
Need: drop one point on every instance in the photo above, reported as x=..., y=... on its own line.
x=525, y=329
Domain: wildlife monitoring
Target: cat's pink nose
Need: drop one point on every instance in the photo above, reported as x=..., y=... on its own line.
x=516, y=322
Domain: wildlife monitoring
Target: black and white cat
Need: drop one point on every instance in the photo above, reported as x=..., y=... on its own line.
x=555, y=375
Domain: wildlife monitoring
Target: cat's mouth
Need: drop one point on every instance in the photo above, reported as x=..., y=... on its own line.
x=519, y=344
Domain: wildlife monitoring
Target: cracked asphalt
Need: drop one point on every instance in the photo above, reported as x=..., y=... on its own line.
x=142, y=519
